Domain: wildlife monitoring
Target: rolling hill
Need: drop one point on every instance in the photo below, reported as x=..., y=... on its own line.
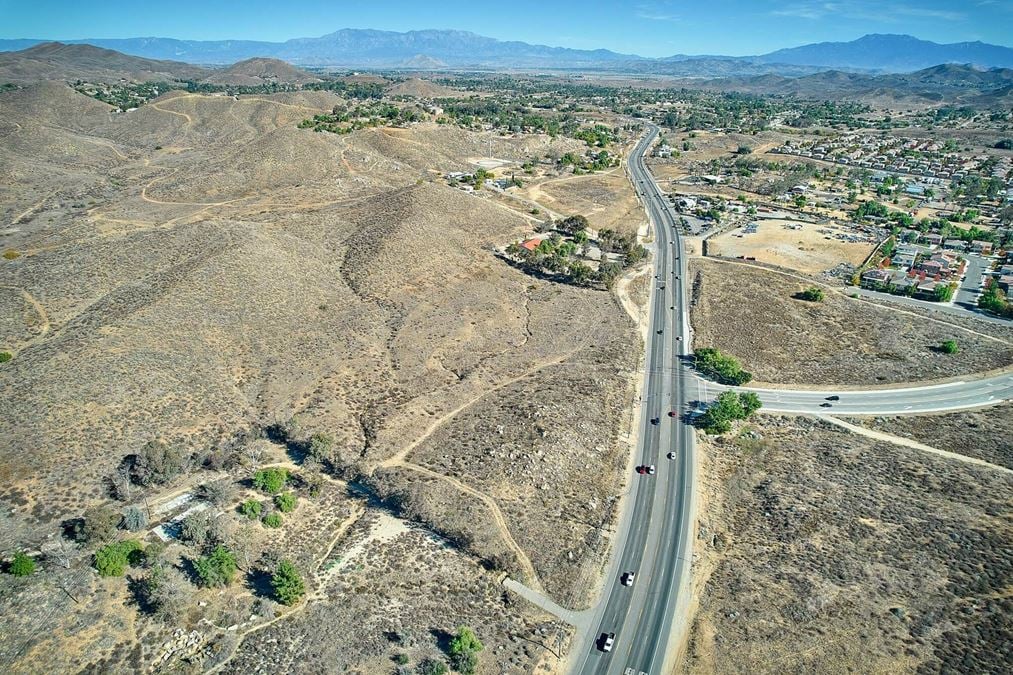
x=59, y=61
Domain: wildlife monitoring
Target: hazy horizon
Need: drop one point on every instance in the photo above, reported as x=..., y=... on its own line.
x=650, y=29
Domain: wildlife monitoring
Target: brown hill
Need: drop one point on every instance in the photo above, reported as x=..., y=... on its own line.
x=257, y=71
x=420, y=88
x=58, y=61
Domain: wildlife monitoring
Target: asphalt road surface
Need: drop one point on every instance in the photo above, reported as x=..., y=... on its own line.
x=655, y=541
x=971, y=392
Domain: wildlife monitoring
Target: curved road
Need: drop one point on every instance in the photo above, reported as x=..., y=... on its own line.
x=905, y=400
x=655, y=538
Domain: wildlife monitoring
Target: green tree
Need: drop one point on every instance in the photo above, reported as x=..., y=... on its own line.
x=321, y=447
x=22, y=565
x=251, y=508
x=463, y=650
x=134, y=518
x=158, y=462
x=5, y=357
x=750, y=402
x=216, y=569
x=724, y=369
x=112, y=559
x=285, y=502
x=950, y=347
x=271, y=480
x=287, y=583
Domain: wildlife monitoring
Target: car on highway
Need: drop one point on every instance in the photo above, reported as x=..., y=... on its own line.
x=646, y=469
x=673, y=413
x=606, y=641
x=826, y=405
x=627, y=578
x=660, y=331
x=678, y=337
x=670, y=455
x=655, y=420
x=835, y=397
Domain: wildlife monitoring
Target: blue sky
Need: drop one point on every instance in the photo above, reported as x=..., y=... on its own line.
x=648, y=27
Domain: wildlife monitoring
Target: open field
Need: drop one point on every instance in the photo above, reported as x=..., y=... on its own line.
x=606, y=199
x=810, y=249
x=749, y=312
x=986, y=434
x=199, y=269
x=823, y=551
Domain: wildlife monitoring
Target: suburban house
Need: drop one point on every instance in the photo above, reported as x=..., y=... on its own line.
x=1006, y=282
x=981, y=247
x=955, y=245
x=933, y=238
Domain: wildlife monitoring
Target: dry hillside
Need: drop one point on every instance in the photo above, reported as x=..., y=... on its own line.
x=199, y=270
x=257, y=71
x=63, y=62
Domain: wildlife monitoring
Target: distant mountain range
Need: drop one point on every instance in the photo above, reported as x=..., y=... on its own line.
x=452, y=49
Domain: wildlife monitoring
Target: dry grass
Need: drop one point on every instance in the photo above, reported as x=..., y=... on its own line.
x=249, y=273
x=606, y=199
x=833, y=553
x=750, y=313
x=986, y=434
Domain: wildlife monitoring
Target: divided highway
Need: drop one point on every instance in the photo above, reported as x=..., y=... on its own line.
x=655, y=538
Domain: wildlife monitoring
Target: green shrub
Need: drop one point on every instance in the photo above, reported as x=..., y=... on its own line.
x=251, y=508
x=812, y=294
x=5, y=357
x=287, y=583
x=272, y=520
x=22, y=565
x=730, y=406
x=216, y=569
x=949, y=347
x=285, y=502
x=112, y=560
x=463, y=650
x=271, y=480
x=430, y=666
x=401, y=659
x=11, y=254
x=724, y=369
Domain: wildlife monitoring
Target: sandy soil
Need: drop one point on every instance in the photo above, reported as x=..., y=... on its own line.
x=810, y=249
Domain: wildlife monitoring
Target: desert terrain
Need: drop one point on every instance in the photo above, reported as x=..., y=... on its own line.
x=823, y=551
x=200, y=273
x=750, y=313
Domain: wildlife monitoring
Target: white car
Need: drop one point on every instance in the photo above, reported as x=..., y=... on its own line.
x=627, y=578
x=606, y=641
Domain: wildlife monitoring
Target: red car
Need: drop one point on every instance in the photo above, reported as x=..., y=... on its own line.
x=646, y=469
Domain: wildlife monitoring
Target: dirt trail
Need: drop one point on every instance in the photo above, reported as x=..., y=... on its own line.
x=39, y=309
x=27, y=212
x=189, y=120
x=907, y=442
x=497, y=514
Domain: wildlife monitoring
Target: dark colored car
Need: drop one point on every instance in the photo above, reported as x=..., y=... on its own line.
x=835, y=397
x=673, y=413
x=655, y=420
x=826, y=405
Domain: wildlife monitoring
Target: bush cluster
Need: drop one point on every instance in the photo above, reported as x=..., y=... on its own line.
x=722, y=368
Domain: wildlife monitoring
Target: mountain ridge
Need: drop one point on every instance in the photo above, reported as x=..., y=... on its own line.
x=456, y=49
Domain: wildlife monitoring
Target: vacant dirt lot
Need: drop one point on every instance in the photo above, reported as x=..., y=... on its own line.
x=750, y=313
x=823, y=551
x=810, y=250
x=986, y=434
x=607, y=199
